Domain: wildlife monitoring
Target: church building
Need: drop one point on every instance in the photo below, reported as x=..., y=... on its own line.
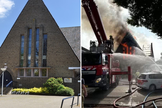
x=36, y=49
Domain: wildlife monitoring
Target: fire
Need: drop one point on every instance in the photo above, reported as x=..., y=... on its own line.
x=127, y=49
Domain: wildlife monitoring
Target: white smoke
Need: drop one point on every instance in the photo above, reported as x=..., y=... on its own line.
x=114, y=20
x=146, y=37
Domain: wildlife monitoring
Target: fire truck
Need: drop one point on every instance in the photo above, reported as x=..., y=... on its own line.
x=99, y=67
x=96, y=71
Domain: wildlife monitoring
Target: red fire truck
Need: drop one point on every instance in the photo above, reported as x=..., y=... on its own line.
x=96, y=70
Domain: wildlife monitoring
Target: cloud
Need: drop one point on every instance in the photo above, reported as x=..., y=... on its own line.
x=5, y=6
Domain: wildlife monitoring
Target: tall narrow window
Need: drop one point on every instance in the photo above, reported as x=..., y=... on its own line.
x=37, y=48
x=29, y=47
x=36, y=72
x=28, y=72
x=21, y=72
x=44, y=58
x=22, y=51
x=44, y=72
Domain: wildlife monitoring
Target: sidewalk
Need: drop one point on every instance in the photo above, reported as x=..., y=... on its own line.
x=36, y=101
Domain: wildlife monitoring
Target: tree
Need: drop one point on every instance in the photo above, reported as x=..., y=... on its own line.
x=144, y=13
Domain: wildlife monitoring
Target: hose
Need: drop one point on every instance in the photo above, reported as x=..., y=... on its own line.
x=122, y=98
x=146, y=98
x=147, y=101
x=142, y=103
x=154, y=104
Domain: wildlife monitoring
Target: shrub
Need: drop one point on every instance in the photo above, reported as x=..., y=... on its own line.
x=66, y=92
x=53, y=85
x=41, y=90
x=53, y=89
x=61, y=87
x=60, y=80
x=35, y=90
x=45, y=90
x=50, y=82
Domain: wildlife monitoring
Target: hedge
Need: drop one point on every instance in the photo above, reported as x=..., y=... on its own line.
x=52, y=86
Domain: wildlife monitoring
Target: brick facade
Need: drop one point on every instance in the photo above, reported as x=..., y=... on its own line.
x=60, y=55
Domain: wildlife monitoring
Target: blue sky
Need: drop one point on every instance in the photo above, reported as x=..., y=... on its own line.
x=65, y=12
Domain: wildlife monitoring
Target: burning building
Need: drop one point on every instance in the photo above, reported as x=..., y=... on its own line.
x=129, y=45
x=113, y=25
x=126, y=47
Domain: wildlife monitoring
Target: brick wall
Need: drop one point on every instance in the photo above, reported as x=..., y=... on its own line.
x=60, y=55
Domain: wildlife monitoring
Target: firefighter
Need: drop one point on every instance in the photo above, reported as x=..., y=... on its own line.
x=137, y=73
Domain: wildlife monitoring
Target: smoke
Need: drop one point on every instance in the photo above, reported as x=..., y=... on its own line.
x=114, y=20
x=145, y=37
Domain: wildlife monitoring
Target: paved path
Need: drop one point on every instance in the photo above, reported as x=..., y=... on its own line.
x=35, y=101
x=97, y=96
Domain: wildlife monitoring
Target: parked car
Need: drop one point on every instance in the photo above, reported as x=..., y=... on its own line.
x=150, y=81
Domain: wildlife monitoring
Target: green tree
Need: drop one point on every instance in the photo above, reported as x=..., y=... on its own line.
x=144, y=13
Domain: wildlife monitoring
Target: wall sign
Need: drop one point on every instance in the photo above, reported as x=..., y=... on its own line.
x=67, y=80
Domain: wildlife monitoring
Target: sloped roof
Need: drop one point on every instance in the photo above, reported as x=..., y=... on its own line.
x=72, y=34
x=36, y=15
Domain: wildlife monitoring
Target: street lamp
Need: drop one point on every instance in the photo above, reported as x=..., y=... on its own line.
x=3, y=70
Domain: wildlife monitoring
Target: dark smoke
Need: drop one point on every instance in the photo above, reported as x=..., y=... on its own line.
x=113, y=22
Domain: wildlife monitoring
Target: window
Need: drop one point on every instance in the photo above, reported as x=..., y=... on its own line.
x=33, y=72
x=44, y=58
x=29, y=63
x=28, y=72
x=104, y=59
x=21, y=63
x=21, y=72
x=155, y=76
x=29, y=47
x=37, y=48
x=44, y=72
x=36, y=72
x=142, y=76
x=91, y=59
x=22, y=51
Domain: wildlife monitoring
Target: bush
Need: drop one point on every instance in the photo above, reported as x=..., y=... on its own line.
x=45, y=90
x=65, y=92
x=54, y=84
x=60, y=80
x=35, y=90
x=41, y=90
x=51, y=86
x=50, y=82
x=61, y=87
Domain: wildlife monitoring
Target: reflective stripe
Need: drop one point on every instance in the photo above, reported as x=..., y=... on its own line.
x=88, y=72
x=89, y=68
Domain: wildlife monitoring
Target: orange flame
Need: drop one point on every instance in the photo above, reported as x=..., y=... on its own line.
x=127, y=49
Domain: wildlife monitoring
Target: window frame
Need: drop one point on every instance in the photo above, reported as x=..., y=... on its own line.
x=32, y=72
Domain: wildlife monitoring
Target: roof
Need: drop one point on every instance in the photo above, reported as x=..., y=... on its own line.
x=84, y=50
x=72, y=35
x=151, y=73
